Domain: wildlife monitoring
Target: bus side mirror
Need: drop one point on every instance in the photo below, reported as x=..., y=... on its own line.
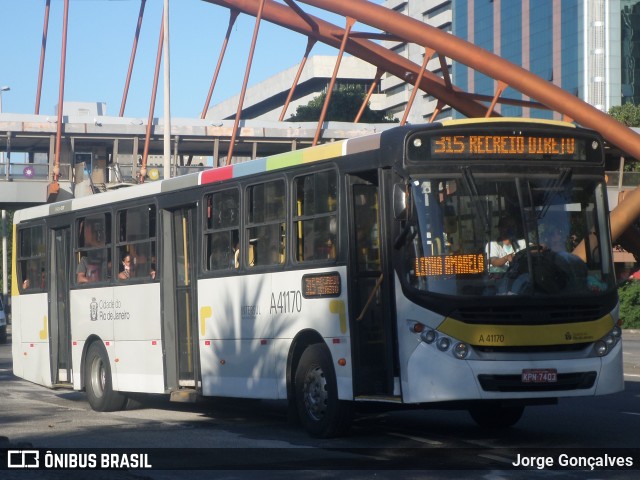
x=399, y=201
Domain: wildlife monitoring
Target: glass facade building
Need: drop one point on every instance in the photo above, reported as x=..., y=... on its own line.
x=590, y=48
x=630, y=70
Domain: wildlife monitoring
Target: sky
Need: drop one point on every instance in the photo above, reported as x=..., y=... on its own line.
x=99, y=42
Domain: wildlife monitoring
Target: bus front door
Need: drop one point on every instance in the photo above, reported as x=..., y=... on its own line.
x=179, y=280
x=60, y=323
x=371, y=327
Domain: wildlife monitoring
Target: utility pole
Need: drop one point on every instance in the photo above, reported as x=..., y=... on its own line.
x=167, y=95
x=5, y=284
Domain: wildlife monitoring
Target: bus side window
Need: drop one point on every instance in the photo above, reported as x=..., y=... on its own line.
x=266, y=224
x=31, y=262
x=222, y=234
x=315, y=218
x=136, y=228
x=93, y=248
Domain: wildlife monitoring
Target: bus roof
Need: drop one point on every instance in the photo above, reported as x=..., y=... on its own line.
x=210, y=176
x=251, y=167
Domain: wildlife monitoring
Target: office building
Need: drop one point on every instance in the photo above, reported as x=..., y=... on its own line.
x=590, y=48
x=436, y=13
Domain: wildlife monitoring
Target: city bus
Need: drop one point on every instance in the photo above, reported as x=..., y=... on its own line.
x=350, y=274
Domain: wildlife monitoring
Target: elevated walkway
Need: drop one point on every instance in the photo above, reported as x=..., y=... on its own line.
x=92, y=146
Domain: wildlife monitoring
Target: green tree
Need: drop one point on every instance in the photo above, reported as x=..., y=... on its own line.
x=344, y=105
x=629, y=295
x=627, y=114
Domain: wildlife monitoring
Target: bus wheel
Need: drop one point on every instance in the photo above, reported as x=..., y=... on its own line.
x=320, y=411
x=496, y=415
x=97, y=380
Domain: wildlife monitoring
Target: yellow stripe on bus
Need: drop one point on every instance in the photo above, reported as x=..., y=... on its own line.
x=322, y=152
x=524, y=121
x=524, y=335
x=44, y=333
x=338, y=307
x=206, y=312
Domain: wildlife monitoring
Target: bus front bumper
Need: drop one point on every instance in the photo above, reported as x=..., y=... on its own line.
x=434, y=376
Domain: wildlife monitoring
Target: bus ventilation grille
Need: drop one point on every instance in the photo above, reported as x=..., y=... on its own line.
x=569, y=347
x=529, y=315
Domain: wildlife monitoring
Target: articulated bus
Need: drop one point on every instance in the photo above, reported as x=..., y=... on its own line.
x=335, y=277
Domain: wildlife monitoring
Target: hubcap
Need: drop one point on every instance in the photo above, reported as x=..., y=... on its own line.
x=98, y=377
x=315, y=394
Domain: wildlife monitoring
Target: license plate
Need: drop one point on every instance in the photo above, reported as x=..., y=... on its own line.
x=540, y=375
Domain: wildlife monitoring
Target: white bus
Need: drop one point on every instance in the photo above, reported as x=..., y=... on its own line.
x=355, y=271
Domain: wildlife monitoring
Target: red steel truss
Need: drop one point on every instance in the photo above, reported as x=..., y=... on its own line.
x=396, y=27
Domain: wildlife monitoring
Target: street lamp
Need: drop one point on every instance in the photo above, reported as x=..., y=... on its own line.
x=2, y=90
x=5, y=285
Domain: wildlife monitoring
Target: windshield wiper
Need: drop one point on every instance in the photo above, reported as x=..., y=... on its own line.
x=558, y=184
x=472, y=187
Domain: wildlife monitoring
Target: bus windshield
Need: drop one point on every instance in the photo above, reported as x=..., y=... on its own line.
x=474, y=235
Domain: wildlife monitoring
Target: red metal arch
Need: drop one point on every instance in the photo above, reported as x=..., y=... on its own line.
x=399, y=27
x=403, y=28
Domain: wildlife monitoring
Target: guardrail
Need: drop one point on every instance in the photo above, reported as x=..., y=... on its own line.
x=31, y=171
x=117, y=173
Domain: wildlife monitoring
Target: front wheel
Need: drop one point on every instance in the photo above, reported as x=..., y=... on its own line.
x=321, y=413
x=98, y=381
x=496, y=415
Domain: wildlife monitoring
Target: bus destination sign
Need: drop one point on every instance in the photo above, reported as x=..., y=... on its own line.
x=502, y=145
x=514, y=146
x=439, y=265
x=321, y=285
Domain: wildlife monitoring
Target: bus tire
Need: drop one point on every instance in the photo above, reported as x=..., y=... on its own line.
x=495, y=415
x=98, y=381
x=321, y=413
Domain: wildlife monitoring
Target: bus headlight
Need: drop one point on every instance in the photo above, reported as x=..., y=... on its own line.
x=429, y=336
x=461, y=350
x=600, y=347
x=603, y=346
x=443, y=344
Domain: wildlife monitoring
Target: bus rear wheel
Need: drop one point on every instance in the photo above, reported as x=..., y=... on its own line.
x=321, y=413
x=98, y=382
x=496, y=415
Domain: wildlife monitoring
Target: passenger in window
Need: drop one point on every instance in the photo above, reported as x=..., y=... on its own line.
x=89, y=266
x=125, y=267
x=88, y=270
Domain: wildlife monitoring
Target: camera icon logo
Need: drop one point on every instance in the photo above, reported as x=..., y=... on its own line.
x=23, y=459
